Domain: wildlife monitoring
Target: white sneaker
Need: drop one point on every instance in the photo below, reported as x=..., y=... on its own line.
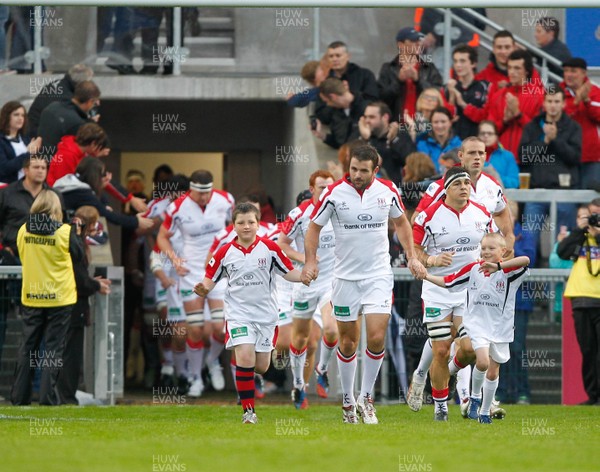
x=249, y=417
x=366, y=410
x=216, y=376
x=196, y=387
x=349, y=414
x=415, y=395
x=496, y=411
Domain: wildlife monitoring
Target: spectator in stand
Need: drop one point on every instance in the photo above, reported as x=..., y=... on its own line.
x=498, y=158
x=313, y=72
x=361, y=82
x=347, y=108
x=441, y=138
x=63, y=118
x=447, y=160
x=514, y=387
x=58, y=91
x=135, y=182
x=15, y=144
x=432, y=26
x=373, y=128
x=583, y=246
x=85, y=188
x=550, y=151
x=465, y=90
x=90, y=140
x=547, y=30
x=416, y=176
x=582, y=103
x=420, y=123
x=404, y=78
x=514, y=106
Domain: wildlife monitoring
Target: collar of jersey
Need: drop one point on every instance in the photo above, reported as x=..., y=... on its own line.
x=453, y=210
x=242, y=248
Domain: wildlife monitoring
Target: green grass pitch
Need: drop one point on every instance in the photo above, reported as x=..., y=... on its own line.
x=211, y=437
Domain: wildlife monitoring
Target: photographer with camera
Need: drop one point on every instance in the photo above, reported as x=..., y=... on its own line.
x=583, y=288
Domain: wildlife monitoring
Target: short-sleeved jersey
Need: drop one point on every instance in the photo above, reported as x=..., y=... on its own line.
x=295, y=227
x=228, y=234
x=251, y=287
x=442, y=229
x=488, y=193
x=491, y=299
x=360, y=225
x=198, y=226
x=157, y=207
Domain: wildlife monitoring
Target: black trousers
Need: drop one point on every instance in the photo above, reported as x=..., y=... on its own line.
x=68, y=379
x=52, y=324
x=587, y=328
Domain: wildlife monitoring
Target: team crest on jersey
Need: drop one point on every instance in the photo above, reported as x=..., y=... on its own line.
x=381, y=203
x=262, y=262
x=500, y=286
x=480, y=226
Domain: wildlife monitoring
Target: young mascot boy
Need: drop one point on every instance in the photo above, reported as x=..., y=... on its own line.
x=249, y=262
x=489, y=319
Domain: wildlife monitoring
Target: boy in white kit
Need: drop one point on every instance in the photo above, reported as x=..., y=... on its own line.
x=249, y=263
x=489, y=318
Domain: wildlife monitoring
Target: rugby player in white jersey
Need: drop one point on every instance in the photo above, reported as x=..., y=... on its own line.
x=486, y=191
x=491, y=286
x=359, y=207
x=447, y=236
x=249, y=263
x=199, y=215
x=307, y=300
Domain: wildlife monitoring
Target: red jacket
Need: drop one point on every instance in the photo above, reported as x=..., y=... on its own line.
x=493, y=75
x=588, y=117
x=65, y=161
x=531, y=99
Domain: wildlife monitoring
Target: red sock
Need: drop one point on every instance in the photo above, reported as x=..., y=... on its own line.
x=244, y=381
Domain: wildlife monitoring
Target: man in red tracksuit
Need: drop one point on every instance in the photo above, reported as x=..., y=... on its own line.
x=582, y=103
x=515, y=105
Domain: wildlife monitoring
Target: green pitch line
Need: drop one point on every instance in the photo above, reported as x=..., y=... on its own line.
x=212, y=438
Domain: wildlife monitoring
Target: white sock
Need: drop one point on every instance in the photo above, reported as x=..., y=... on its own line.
x=216, y=348
x=347, y=368
x=371, y=365
x=454, y=366
x=489, y=391
x=195, y=353
x=463, y=382
x=297, y=361
x=477, y=382
x=420, y=375
x=325, y=355
x=167, y=356
x=180, y=360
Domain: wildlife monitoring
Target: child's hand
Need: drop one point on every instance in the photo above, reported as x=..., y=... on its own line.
x=201, y=290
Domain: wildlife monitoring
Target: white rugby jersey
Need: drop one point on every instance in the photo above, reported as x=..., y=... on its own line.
x=295, y=227
x=360, y=225
x=251, y=289
x=488, y=193
x=157, y=207
x=441, y=229
x=491, y=299
x=198, y=226
x=228, y=234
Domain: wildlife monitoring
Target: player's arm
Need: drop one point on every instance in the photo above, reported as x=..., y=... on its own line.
x=204, y=287
x=414, y=217
x=293, y=275
x=156, y=267
x=404, y=232
x=310, y=271
x=164, y=244
x=285, y=243
x=503, y=220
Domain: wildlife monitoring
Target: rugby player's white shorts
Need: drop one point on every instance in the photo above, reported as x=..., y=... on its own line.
x=170, y=298
x=351, y=298
x=193, y=278
x=437, y=311
x=500, y=352
x=262, y=336
x=307, y=300
x=284, y=301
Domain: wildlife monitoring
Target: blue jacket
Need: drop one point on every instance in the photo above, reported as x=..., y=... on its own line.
x=504, y=162
x=10, y=163
x=525, y=246
x=303, y=99
x=427, y=144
